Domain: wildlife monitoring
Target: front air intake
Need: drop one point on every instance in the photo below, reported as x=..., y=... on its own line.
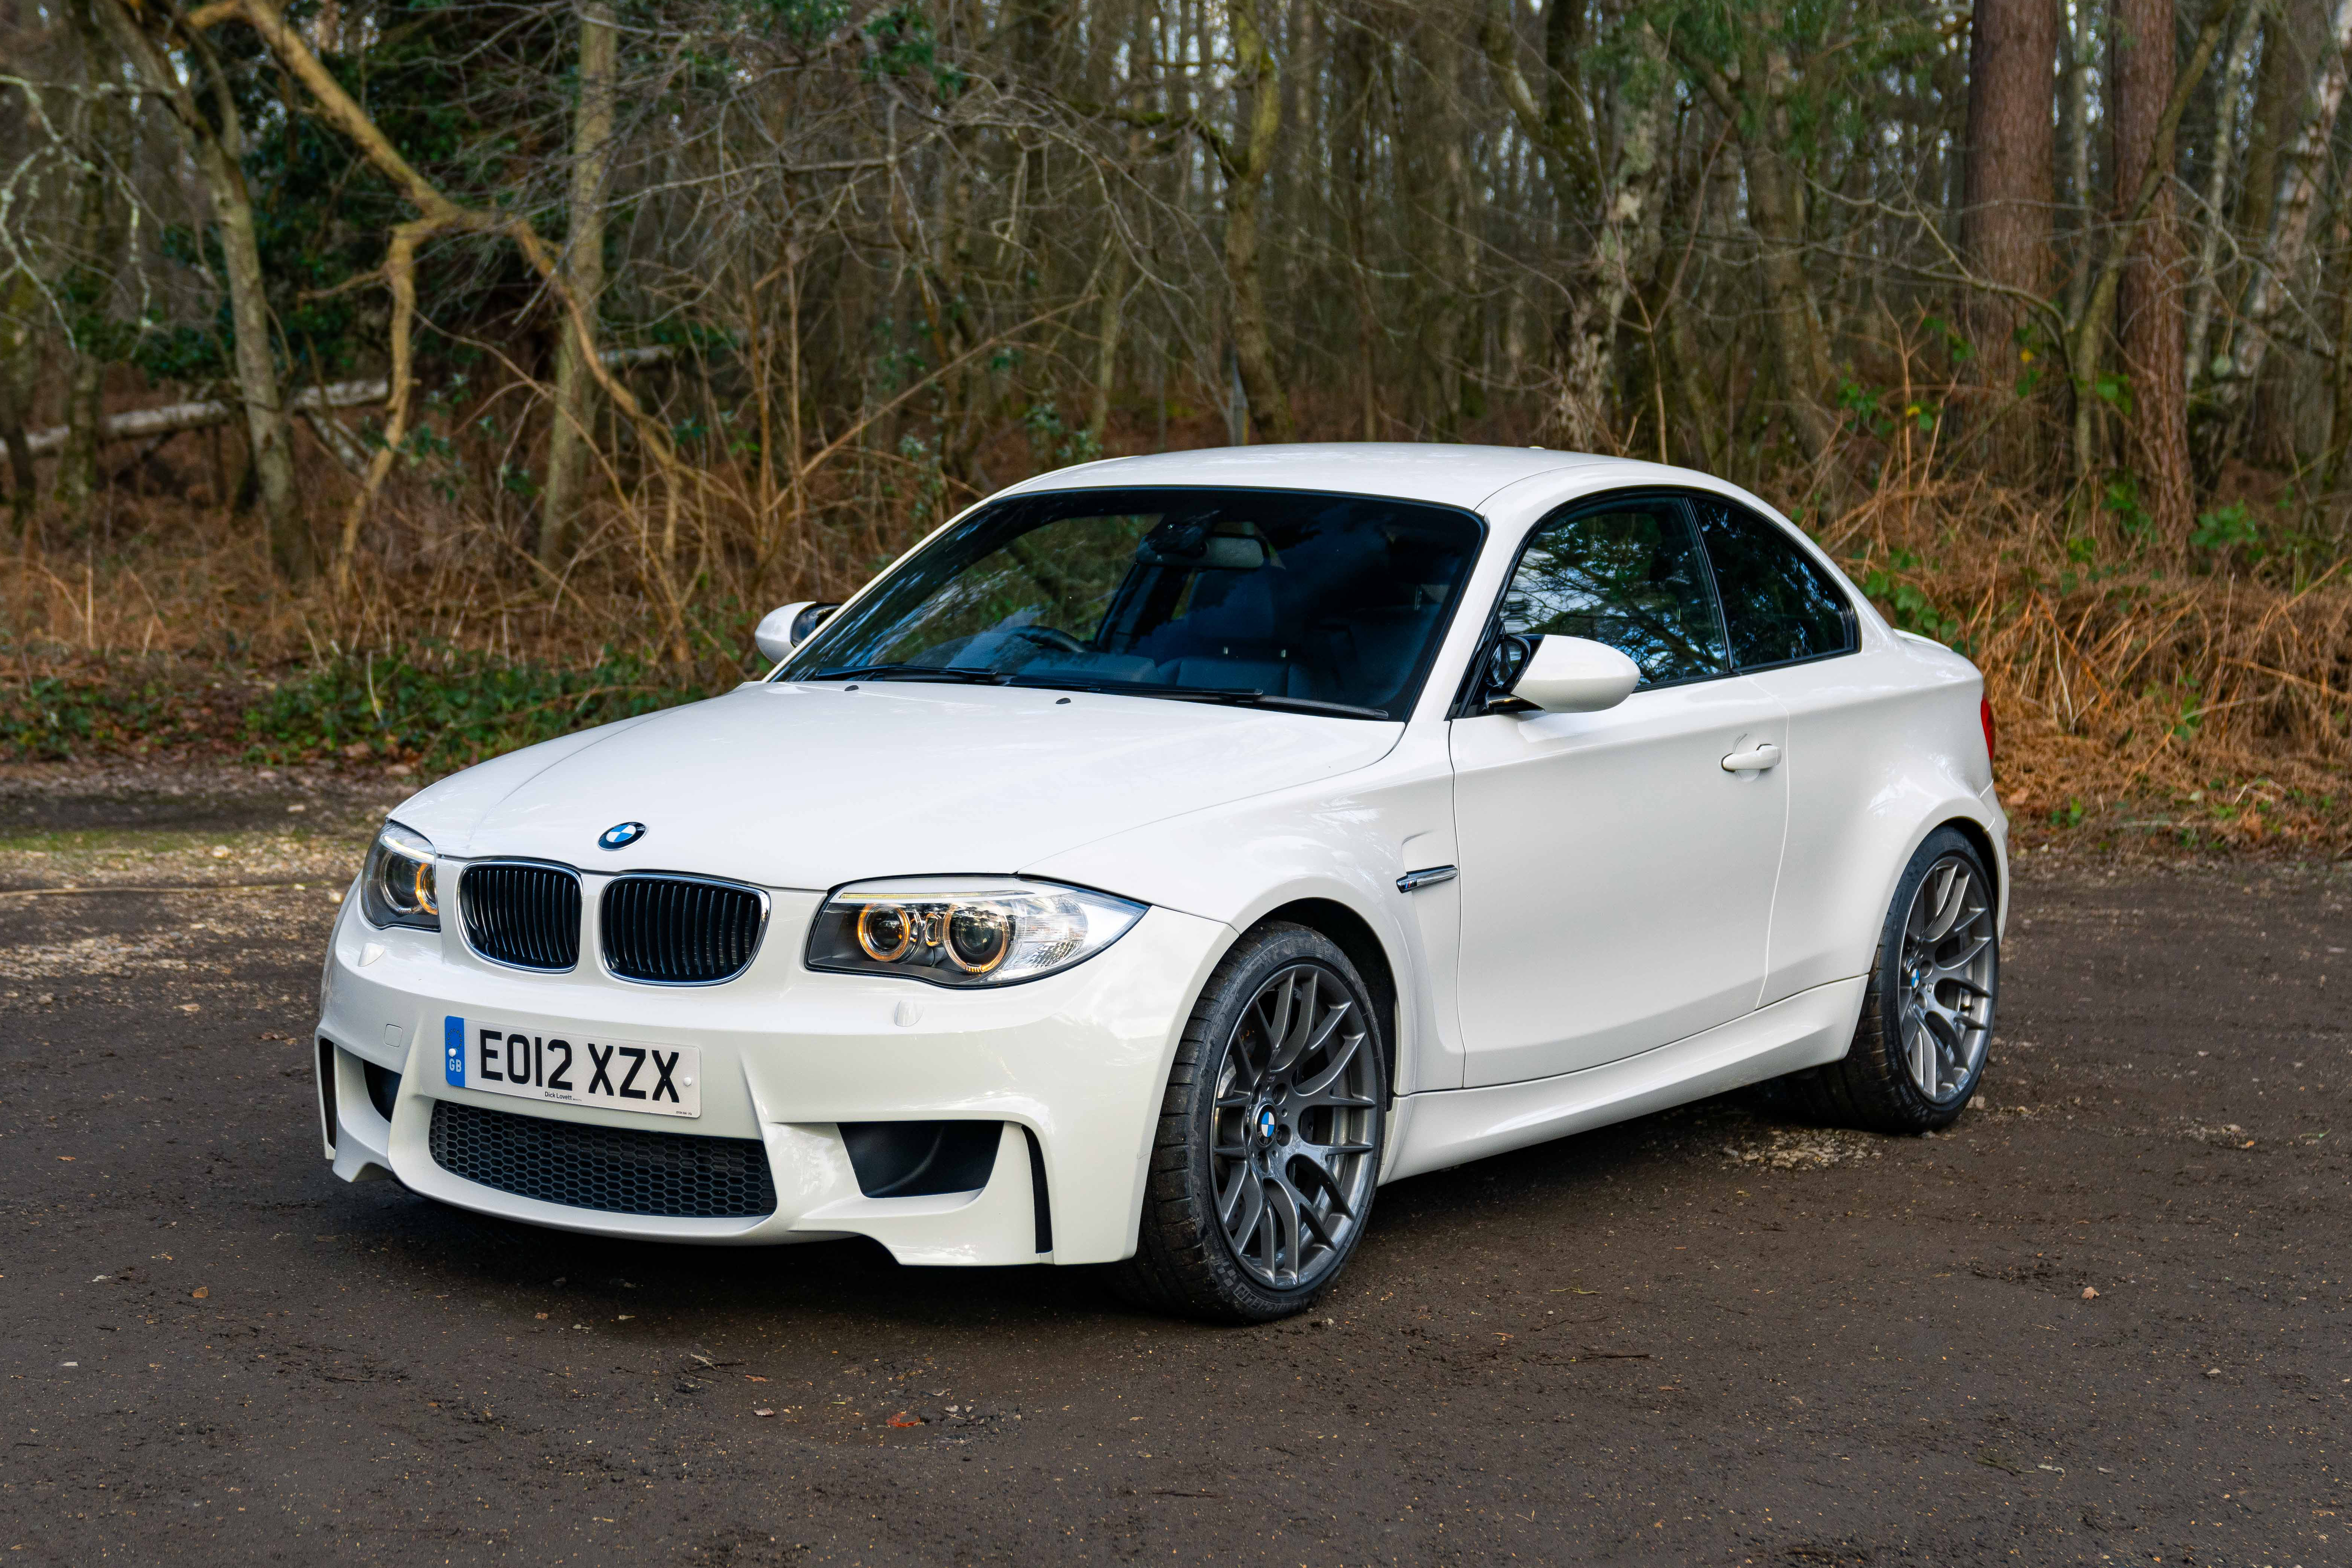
x=680, y=930
x=613, y=1170
x=524, y=915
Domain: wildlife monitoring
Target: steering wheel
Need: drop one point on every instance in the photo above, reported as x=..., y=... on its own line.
x=1052, y=637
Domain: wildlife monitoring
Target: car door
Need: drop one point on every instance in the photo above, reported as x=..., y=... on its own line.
x=1616, y=879
x=1792, y=630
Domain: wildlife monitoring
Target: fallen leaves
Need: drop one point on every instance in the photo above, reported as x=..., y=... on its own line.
x=1804, y=1149
x=200, y=1291
x=2089, y=1294
x=762, y=1410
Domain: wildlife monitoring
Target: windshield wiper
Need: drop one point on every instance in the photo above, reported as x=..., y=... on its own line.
x=1246, y=697
x=914, y=672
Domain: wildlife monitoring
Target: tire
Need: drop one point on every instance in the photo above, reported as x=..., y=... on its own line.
x=1270, y=1136
x=1926, y=1031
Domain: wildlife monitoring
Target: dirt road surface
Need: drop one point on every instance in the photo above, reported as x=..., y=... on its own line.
x=1706, y=1337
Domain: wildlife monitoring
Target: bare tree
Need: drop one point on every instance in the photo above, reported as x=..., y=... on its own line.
x=2150, y=307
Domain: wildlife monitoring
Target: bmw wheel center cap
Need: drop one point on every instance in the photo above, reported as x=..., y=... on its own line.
x=621, y=835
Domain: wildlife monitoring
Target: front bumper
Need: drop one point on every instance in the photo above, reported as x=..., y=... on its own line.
x=1072, y=1065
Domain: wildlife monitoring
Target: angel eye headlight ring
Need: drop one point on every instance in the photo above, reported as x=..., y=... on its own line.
x=964, y=932
x=885, y=932
x=976, y=927
x=398, y=886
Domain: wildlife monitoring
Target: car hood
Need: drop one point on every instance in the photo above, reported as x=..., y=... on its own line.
x=811, y=786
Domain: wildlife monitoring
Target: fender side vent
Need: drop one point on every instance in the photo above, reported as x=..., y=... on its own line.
x=1040, y=1200
x=327, y=1090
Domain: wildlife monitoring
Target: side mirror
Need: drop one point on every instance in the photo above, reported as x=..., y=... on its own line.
x=782, y=630
x=1575, y=675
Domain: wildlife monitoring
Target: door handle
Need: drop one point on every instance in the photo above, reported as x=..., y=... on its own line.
x=1756, y=759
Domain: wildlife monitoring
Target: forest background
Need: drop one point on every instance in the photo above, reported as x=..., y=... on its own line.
x=403, y=380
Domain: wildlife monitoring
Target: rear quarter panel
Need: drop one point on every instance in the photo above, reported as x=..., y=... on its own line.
x=1885, y=745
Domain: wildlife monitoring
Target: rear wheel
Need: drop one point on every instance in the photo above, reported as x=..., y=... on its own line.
x=1926, y=1020
x=1269, y=1139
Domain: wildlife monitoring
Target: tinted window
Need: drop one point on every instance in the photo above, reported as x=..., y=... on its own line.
x=1779, y=606
x=1628, y=575
x=1292, y=594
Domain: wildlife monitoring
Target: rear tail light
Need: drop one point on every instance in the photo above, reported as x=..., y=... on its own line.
x=1984, y=712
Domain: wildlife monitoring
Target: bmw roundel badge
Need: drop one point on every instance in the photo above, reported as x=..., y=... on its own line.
x=621, y=835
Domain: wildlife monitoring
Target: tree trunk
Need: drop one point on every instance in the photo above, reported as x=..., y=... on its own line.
x=2006, y=195
x=1248, y=156
x=18, y=300
x=99, y=237
x=2293, y=35
x=2157, y=429
x=2075, y=105
x=216, y=142
x=2333, y=470
x=2220, y=166
x=1108, y=320
x=267, y=430
x=1776, y=211
x=2280, y=257
x=1592, y=219
x=571, y=439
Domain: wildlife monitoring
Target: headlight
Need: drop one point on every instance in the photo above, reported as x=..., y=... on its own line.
x=396, y=889
x=965, y=931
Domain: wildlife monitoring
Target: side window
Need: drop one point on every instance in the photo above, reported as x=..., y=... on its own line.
x=1779, y=607
x=1627, y=574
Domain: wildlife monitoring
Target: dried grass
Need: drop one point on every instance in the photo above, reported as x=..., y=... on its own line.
x=2145, y=695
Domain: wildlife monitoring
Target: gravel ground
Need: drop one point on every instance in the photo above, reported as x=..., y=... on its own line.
x=2102, y=1320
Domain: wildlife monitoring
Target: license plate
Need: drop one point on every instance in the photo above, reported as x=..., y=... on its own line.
x=571, y=1068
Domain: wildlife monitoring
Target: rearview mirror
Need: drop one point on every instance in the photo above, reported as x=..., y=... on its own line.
x=782, y=630
x=1575, y=675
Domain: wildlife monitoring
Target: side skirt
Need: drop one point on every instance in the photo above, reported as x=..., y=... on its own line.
x=1453, y=1127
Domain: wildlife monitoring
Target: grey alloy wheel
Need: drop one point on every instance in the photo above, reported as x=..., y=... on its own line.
x=1270, y=1134
x=1925, y=1033
x=1946, y=972
x=1291, y=1150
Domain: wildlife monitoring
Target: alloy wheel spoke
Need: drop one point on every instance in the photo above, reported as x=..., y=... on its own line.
x=1282, y=1231
x=1964, y=962
x=1281, y=1017
x=1303, y=1205
x=1317, y=1161
x=1241, y=1206
x=1951, y=905
x=1301, y=1031
x=1342, y=1056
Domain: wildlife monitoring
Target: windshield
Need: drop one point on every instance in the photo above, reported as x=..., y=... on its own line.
x=1286, y=597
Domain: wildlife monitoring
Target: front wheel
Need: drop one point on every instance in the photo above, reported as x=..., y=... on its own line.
x=1270, y=1136
x=1926, y=1018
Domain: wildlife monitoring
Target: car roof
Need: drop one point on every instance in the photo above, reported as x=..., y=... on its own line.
x=1424, y=471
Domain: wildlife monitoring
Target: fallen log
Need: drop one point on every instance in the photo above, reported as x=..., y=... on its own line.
x=174, y=417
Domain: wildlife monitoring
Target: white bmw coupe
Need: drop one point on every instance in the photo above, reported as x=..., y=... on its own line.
x=1167, y=852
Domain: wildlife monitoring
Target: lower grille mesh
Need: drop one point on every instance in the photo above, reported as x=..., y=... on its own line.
x=615, y=1170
